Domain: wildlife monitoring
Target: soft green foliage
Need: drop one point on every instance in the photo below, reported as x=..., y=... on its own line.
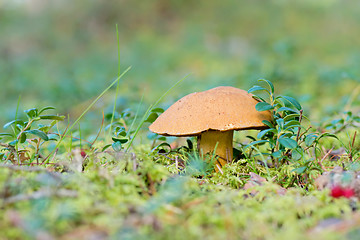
x=23, y=143
x=286, y=139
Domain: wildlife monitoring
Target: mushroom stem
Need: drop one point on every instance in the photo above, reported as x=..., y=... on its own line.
x=224, y=140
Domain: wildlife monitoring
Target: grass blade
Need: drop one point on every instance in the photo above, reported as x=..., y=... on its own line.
x=87, y=109
x=118, y=83
x=152, y=106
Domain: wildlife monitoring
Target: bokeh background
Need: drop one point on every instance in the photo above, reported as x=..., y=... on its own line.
x=63, y=53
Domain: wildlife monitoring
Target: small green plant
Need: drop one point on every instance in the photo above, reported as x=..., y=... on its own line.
x=198, y=166
x=121, y=125
x=120, y=128
x=286, y=139
x=24, y=135
x=342, y=122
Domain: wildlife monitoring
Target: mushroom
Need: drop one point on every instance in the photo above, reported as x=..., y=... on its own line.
x=212, y=115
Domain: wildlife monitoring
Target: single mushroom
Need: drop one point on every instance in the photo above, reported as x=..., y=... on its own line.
x=212, y=115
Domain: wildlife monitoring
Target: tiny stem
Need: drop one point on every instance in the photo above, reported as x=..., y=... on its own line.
x=351, y=145
x=37, y=151
x=298, y=133
x=118, y=82
x=353, y=141
x=24, y=129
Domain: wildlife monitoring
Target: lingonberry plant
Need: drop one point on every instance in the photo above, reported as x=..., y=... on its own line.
x=120, y=128
x=24, y=141
x=287, y=140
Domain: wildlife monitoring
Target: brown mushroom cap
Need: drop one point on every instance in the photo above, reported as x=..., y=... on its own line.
x=220, y=108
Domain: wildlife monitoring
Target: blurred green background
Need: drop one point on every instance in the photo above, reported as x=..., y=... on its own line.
x=64, y=53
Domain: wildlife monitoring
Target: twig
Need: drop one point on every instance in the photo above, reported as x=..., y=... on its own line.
x=6, y=145
x=164, y=154
x=54, y=155
x=219, y=168
x=323, y=158
x=302, y=134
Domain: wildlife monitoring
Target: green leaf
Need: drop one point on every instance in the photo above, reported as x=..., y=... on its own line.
x=44, y=129
x=32, y=112
x=288, y=142
x=52, y=117
x=6, y=135
x=258, y=98
x=263, y=132
x=152, y=136
x=297, y=154
x=278, y=102
x=117, y=146
x=327, y=135
x=20, y=122
x=336, y=121
x=263, y=106
x=53, y=137
x=105, y=147
x=257, y=88
x=126, y=113
x=349, y=113
x=293, y=101
x=277, y=154
x=251, y=138
x=291, y=116
x=121, y=140
x=22, y=137
x=45, y=109
x=310, y=139
x=121, y=133
x=119, y=128
x=280, y=123
x=299, y=170
x=269, y=84
x=162, y=145
x=152, y=117
x=13, y=143
x=157, y=110
x=287, y=109
x=268, y=123
x=292, y=124
x=38, y=133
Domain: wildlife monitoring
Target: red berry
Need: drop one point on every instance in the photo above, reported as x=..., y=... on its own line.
x=337, y=192
x=83, y=154
x=348, y=192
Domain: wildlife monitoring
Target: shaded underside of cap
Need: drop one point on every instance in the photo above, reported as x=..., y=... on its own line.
x=220, y=108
